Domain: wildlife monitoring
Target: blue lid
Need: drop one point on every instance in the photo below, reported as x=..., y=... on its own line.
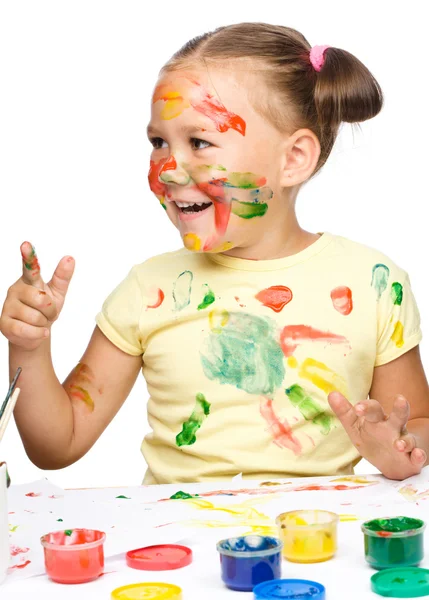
x=289, y=588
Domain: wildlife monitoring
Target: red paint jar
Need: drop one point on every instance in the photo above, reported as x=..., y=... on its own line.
x=74, y=555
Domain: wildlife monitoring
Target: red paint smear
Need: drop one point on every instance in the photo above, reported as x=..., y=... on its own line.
x=342, y=299
x=27, y=562
x=155, y=185
x=53, y=497
x=215, y=190
x=238, y=300
x=15, y=550
x=292, y=335
x=29, y=511
x=282, y=433
x=275, y=297
x=159, y=301
x=212, y=108
x=384, y=534
x=33, y=494
x=169, y=165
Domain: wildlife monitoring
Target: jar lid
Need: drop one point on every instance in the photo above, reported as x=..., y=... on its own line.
x=163, y=557
x=401, y=582
x=289, y=588
x=148, y=591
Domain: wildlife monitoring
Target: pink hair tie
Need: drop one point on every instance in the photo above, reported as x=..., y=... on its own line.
x=317, y=57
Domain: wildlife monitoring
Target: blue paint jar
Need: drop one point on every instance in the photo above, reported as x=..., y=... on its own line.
x=248, y=560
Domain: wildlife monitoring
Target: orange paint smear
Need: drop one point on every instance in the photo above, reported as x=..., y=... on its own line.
x=275, y=297
x=169, y=165
x=282, y=433
x=159, y=301
x=157, y=187
x=293, y=335
x=80, y=393
x=342, y=299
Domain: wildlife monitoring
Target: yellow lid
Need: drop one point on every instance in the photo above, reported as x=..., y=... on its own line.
x=147, y=591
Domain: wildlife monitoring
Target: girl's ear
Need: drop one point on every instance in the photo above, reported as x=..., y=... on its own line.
x=300, y=156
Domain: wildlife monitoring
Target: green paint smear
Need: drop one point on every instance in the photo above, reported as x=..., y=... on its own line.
x=244, y=181
x=59, y=520
x=248, y=210
x=309, y=408
x=164, y=206
x=187, y=436
x=208, y=299
x=396, y=293
x=123, y=497
x=380, y=276
x=394, y=525
x=245, y=353
x=182, y=496
x=182, y=290
x=68, y=532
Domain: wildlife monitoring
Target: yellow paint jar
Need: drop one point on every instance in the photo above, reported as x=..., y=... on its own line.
x=308, y=536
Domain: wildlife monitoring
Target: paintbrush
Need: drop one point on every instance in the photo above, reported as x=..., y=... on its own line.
x=9, y=403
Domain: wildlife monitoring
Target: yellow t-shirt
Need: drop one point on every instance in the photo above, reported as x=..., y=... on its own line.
x=239, y=355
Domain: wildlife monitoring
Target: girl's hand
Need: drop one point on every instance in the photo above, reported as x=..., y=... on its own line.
x=31, y=305
x=381, y=439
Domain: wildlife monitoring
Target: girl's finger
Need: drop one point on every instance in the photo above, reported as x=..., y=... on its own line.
x=406, y=443
x=418, y=457
x=400, y=413
x=371, y=410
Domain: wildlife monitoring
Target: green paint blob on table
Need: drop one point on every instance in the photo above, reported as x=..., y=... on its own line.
x=396, y=293
x=59, y=520
x=208, y=299
x=182, y=496
x=123, y=497
x=68, y=532
x=187, y=436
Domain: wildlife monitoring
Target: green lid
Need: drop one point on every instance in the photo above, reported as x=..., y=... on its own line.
x=402, y=582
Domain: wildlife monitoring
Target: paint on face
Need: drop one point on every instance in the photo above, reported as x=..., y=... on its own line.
x=396, y=293
x=30, y=261
x=190, y=427
x=186, y=92
x=76, y=387
x=341, y=298
x=281, y=431
x=156, y=186
x=208, y=299
x=182, y=288
x=380, y=277
x=309, y=408
x=275, y=297
x=248, y=210
x=192, y=242
x=398, y=335
x=293, y=335
x=322, y=377
x=242, y=351
x=159, y=300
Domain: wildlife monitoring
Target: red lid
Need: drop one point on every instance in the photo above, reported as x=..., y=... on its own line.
x=159, y=558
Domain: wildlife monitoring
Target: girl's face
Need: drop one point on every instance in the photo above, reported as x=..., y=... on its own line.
x=215, y=163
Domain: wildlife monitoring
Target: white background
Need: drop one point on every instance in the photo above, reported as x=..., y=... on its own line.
x=76, y=79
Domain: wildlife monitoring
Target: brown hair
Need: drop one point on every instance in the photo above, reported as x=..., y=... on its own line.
x=344, y=90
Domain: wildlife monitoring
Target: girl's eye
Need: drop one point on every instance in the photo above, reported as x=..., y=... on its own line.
x=157, y=143
x=198, y=144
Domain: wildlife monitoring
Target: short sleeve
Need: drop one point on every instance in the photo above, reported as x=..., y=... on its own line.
x=398, y=319
x=120, y=315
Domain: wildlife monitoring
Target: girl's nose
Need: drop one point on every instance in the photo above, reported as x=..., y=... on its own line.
x=171, y=172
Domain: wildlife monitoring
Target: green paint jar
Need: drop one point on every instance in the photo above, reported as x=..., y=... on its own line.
x=393, y=542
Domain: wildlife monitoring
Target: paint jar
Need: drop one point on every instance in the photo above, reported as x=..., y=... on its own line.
x=248, y=560
x=4, y=524
x=74, y=555
x=309, y=536
x=393, y=542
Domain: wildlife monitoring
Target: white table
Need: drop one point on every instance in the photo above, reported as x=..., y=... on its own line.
x=345, y=577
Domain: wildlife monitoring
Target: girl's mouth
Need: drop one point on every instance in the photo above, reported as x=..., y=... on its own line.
x=189, y=208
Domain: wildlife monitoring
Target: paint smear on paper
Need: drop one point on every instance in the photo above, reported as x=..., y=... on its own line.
x=342, y=300
x=15, y=550
x=21, y=566
x=354, y=479
x=309, y=408
x=182, y=496
x=281, y=431
x=182, y=288
x=275, y=297
x=242, y=351
x=293, y=335
x=122, y=497
x=13, y=528
x=33, y=494
x=396, y=293
x=380, y=277
x=190, y=427
x=322, y=377
x=410, y=493
x=208, y=299
x=398, y=335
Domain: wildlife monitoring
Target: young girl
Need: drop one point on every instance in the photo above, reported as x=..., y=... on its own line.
x=260, y=342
